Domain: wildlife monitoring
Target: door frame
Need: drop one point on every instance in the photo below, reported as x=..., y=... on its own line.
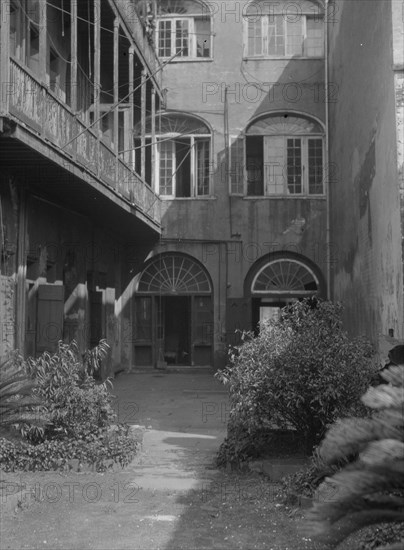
x=157, y=344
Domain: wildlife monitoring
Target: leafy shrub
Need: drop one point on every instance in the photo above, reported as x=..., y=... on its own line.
x=300, y=373
x=78, y=410
x=77, y=405
x=18, y=406
x=370, y=488
x=52, y=454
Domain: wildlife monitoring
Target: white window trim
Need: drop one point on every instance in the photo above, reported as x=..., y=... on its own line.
x=264, y=30
x=194, y=183
x=305, y=168
x=192, y=47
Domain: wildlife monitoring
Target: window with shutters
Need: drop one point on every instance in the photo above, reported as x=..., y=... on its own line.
x=282, y=29
x=284, y=156
x=184, y=30
x=183, y=154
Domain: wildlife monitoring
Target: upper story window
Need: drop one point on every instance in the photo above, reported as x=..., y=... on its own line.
x=183, y=157
x=183, y=28
x=282, y=29
x=284, y=156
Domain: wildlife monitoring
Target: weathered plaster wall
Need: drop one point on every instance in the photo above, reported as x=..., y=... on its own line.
x=8, y=262
x=249, y=228
x=365, y=207
x=62, y=247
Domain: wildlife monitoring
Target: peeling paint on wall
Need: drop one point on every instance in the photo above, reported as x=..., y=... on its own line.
x=366, y=177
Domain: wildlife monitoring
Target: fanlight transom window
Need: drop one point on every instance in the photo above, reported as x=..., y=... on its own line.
x=285, y=276
x=174, y=274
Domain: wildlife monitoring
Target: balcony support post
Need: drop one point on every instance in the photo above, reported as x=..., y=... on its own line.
x=97, y=68
x=132, y=105
x=5, y=57
x=73, y=51
x=21, y=274
x=153, y=139
x=116, y=97
x=143, y=126
x=43, y=54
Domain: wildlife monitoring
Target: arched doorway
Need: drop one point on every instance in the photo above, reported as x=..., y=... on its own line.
x=173, y=312
x=279, y=279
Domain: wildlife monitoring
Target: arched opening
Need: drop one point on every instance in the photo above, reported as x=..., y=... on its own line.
x=285, y=156
x=183, y=153
x=173, y=312
x=279, y=279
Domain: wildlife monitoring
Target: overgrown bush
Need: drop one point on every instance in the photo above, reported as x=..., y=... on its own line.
x=370, y=488
x=77, y=405
x=97, y=449
x=18, y=405
x=78, y=410
x=302, y=372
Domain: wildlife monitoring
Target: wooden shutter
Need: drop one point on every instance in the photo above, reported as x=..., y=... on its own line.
x=50, y=313
x=237, y=166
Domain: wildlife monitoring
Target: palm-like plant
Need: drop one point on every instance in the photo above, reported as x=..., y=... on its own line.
x=18, y=405
x=370, y=488
x=94, y=357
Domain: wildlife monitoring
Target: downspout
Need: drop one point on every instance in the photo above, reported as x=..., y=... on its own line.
x=327, y=157
x=227, y=156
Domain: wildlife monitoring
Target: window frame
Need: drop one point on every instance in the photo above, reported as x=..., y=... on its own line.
x=304, y=166
x=192, y=41
x=265, y=21
x=305, y=183
x=194, y=138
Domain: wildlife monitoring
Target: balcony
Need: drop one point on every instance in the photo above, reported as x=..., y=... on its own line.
x=31, y=103
x=130, y=16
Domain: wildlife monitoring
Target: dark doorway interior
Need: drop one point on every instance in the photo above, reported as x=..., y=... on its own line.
x=264, y=309
x=183, y=172
x=177, y=329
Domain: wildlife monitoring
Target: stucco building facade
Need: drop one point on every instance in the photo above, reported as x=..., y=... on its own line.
x=234, y=156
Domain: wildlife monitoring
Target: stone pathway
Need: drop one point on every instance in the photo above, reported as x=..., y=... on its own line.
x=170, y=497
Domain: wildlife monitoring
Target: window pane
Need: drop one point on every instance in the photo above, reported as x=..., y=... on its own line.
x=164, y=46
x=294, y=165
x=315, y=37
x=255, y=37
x=294, y=37
x=166, y=149
x=276, y=38
x=315, y=152
x=182, y=38
x=202, y=31
x=202, y=166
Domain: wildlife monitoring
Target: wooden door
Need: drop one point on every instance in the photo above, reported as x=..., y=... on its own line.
x=143, y=330
x=238, y=318
x=202, y=330
x=50, y=314
x=96, y=317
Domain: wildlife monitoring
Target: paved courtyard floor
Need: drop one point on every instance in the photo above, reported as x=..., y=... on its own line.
x=170, y=497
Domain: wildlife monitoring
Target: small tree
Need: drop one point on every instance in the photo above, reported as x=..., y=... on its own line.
x=302, y=372
x=370, y=489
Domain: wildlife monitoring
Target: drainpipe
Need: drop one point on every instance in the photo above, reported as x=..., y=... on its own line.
x=327, y=156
